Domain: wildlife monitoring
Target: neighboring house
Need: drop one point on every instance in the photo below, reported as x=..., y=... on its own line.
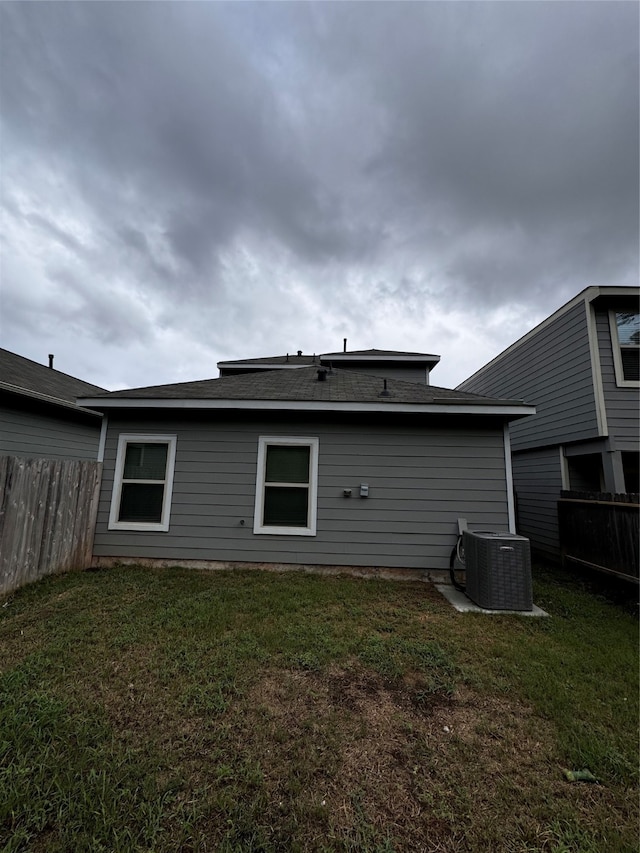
x=312, y=466
x=410, y=366
x=38, y=413
x=579, y=368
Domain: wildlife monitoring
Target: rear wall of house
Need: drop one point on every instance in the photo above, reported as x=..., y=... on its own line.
x=407, y=374
x=551, y=370
x=537, y=479
x=41, y=434
x=421, y=479
x=622, y=403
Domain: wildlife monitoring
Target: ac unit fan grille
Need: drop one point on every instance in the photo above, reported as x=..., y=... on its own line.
x=498, y=568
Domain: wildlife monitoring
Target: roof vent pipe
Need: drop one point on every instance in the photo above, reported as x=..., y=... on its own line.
x=384, y=392
x=299, y=353
x=50, y=361
x=344, y=345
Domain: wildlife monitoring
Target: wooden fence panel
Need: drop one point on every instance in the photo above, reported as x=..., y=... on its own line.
x=601, y=531
x=48, y=513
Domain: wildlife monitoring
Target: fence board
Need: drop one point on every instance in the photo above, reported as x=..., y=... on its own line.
x=47, y=517
x=601, y=531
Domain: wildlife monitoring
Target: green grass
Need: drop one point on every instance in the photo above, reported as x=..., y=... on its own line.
x=170, y=710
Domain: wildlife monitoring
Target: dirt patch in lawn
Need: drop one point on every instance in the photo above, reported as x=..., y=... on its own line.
x=376, y=763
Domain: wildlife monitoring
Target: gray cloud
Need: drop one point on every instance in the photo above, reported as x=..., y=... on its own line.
x=241, y=176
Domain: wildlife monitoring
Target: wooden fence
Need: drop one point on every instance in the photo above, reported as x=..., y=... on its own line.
x=47, y=517
x=601, y=531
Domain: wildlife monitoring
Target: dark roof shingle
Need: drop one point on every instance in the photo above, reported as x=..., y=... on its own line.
x=20, y=374
x=344, y=386
x=296, y=360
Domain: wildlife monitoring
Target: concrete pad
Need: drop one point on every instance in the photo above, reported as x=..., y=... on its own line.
x=464, y=605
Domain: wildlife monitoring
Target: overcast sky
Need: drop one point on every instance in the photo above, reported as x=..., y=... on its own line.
x=184, y=183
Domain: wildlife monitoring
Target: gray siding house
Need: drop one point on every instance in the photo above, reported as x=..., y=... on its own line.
x=309, y=466
x=39, y=417
x=579, y=368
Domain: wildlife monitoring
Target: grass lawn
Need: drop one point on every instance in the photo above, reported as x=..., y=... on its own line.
x=168, y=710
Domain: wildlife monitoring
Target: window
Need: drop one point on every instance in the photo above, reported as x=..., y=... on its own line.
x=286, y=486
x=625, y=335
x=143, y=481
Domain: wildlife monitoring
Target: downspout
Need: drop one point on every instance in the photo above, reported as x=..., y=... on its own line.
x=98, y=488
x=509, y=479
x=103, y=438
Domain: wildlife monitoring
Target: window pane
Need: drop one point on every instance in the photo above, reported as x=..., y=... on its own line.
x=628, y=323
x=287, y=464
x=285, y=507
x=141, y=502
x=630, y=363
x=145, y=462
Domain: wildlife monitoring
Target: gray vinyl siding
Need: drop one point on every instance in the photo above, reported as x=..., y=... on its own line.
x=35, y=434
x=551, y=370
x=420, y=481
x=622, y=404
x=407, y=374
x=537, y=481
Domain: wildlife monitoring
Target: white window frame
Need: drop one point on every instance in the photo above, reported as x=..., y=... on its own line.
x=123, y=441
x=265, y=441
x=621, y=382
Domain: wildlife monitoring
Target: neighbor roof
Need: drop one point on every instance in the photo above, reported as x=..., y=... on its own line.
x=382, y=355
x=368, y=355
x=342, y=390
x=23, y=377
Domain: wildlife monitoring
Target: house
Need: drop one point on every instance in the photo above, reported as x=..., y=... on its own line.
x=39, y=416
x=315, y=466
x=410, y=366
x=579, y=368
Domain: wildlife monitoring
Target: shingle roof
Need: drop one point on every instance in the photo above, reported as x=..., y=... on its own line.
x=22, y=376
x=381, y=354
x=341, y=386
x=290, y=358
x=293, y=359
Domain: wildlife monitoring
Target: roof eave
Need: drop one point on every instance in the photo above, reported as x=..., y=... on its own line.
x=510, y=410
x=381, y=359
x=46, y=398
x=246, y=365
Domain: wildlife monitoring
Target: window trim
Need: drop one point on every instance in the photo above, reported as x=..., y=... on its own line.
x=265, y=441
x=134, y=438
x=621, y=382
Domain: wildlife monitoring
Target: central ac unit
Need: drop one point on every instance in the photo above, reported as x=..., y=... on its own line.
x=498, y=568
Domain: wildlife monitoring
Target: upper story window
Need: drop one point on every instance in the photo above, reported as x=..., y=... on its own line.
x=286, y=486
x=625, y=335
x=143, y=481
